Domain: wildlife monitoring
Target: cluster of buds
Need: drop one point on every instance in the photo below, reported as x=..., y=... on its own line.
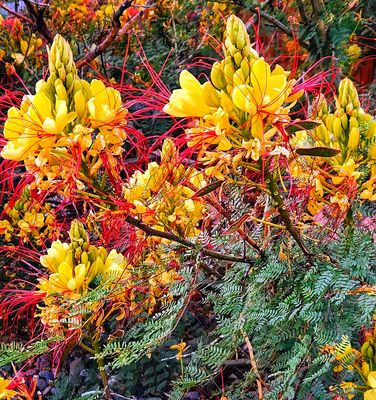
x=352, y=131
x=60, y=60
x=65, y=114
x=29, y=220
x=234, y=69
x=163, y=195
x=243, y=104
x=349, y=128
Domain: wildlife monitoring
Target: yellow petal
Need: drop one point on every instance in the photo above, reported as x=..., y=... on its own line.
x=257, y=126
x=188, y=82
x=370, y=394
x=242, y=97
x=79, y=275
x=260, y=74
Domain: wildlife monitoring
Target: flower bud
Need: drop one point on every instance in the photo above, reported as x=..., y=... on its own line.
x=61, y=58
x=77, y=232
x=354, y=138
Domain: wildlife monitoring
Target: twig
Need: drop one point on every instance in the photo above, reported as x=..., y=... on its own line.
x=100, y=48
x=212, y=201
x=276, y=196
x=313, y=43
x=238, y=362
x=16, y=14
x=254, y=365
x=39, y=21
x=276, y=23
x=273, y=20
x=171, y=236
x=116, y=31
x=124, y=29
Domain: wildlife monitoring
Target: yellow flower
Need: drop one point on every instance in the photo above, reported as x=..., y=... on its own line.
x=6, y=229
x=56, y=125
x=347, y=170
x=21, y=132
x=354, y=51
x=252, y=148
x=372, y=152
x=181, y=348
x=67, y=278
x=115, y=265
x=105, y=107
x=56, y=254
x=6, y=394
x=368, y=190
x=264, y=97
x=31, y=222
x=189, y=101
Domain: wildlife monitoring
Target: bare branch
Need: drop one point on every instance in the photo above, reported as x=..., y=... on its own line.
x=186, y=243
x=116, y=31
x=16, y=14
x=273, y=20
x=39, y=22
x=276, y=23
x=254, y=366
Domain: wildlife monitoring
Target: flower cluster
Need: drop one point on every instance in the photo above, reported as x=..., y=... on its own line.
x=243, y=104
x=60, y=132
x=28, y=219
x=75, y=265
x=78, y=268
x=163, y=195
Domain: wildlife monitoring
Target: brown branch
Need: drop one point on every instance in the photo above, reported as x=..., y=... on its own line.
x=126, y=26
x=271, y=184
x=241, y=231
x=273, y=20
x=238, y=362
x=254, y=366
x=301, y=10
x=116, y=31
x=16, y=14
x=186, y=243
x=39, y=21
x=276, y=23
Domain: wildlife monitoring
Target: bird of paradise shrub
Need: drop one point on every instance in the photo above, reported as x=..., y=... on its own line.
x=84, y=286
x=241, y=121
x=239, y=118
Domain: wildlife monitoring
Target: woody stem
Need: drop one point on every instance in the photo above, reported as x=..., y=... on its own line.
x=101, y=367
